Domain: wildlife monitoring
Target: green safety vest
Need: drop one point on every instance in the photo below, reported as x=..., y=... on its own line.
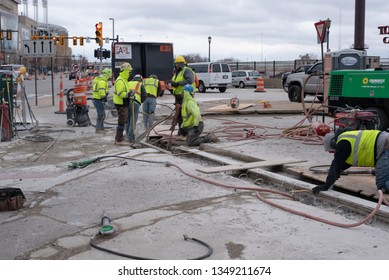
x=179, y=78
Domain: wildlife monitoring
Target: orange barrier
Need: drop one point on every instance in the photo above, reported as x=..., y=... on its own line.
x=80, y=95
x=61, y=109
x=260, y=85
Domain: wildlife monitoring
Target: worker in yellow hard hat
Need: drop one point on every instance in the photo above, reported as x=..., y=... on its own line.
x=183, y=75
x=121, y=101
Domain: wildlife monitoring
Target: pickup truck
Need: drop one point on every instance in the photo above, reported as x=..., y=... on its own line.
x=312, y=79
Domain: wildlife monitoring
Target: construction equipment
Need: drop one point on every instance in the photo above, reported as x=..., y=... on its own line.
x=77, y=108
x=363, y=89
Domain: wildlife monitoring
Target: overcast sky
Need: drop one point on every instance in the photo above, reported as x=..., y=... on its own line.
x=243, y=29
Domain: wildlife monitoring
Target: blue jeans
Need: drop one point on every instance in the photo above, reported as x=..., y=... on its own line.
x=132, y=112
x=100, y=109
x=382, y=171
x=148, y=109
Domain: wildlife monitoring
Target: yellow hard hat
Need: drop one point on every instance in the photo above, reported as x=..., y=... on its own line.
x=23, y=70
x=126, y=66
x=180, y=59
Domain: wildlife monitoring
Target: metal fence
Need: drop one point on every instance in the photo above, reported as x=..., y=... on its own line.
x=275, y=69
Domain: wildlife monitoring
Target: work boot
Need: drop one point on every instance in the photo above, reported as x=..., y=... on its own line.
x=100, y=131
x=212, y=138
x=123, y=143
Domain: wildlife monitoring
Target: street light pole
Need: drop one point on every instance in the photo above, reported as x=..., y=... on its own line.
x=113, y=29
x=261, y=46
x=328, y=25
x=209, y=48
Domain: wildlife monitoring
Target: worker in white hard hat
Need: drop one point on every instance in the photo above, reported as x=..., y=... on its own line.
x=99, y=95
x=364, y=148
x=153, y=89
x=121, y=101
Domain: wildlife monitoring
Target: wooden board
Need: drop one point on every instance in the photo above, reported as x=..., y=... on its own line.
x=227, y=108
x=160, y=131
x=249, y=165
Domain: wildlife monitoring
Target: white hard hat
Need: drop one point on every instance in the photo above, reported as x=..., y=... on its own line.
x=329, y=142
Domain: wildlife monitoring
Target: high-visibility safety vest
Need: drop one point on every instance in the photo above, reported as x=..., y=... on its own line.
x=100, y=88
x=151, y=86
x=362, y=147
x=135, y=86
x=121, y=90
x=179, y=78
x=190, y=111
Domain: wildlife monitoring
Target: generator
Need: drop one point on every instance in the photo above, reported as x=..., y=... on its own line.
x=355, y=119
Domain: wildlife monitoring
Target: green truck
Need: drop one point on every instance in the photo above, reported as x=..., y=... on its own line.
x=364, y=89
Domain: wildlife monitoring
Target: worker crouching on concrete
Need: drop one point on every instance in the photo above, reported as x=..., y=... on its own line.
x=99, y=95
x=121, y=101
x=364, y=148
x=192, y=125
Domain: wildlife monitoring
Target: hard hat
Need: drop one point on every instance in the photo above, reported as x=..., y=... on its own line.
x=153, y=76
x=329, y=142
x=188, y=88
x=180, y=59
x=107, y=72
x=23, y=70
x=126, y=66
x=138, y=78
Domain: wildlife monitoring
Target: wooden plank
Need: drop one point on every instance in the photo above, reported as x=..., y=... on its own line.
x=160, y=131
x=249, y=165
x=227, y=108
x=210, y=156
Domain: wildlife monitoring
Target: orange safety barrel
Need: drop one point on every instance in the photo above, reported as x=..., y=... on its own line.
x=260, y=85
x=80, y=95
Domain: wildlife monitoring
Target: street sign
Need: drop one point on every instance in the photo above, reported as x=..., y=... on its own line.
x=38, y=48
x=321, y=31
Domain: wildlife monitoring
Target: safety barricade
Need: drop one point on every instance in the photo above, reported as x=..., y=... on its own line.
x=260, y=85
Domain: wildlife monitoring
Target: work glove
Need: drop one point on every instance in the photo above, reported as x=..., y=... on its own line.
x=104, y=99
x=130, y=95
x=319, y=188
x=174, y=84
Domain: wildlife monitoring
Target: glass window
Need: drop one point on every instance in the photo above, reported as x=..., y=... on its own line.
x=216, y=68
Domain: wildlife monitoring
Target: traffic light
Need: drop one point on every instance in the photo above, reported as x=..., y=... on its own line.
x=1, y=35
x=99, y=33
x=62, y=40
x=81, y=41
x=9, y=35
x=54, y=38
x=74, y=40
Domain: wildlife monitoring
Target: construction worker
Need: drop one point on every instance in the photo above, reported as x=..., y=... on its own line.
x=137, y=97
x=183, y=75
x=365, y=148
x=99, y=94
x=121, y=101
x=192, y=125
x=153, y=90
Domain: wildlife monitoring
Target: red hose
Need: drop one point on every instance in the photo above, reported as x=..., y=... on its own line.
x=261, y=198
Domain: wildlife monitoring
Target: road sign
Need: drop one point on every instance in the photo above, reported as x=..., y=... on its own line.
x=320, y=30
x=38, y=48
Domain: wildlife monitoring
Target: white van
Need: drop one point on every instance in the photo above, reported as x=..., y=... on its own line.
x=212, y=75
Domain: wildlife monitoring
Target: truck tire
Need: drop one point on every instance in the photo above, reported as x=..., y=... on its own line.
x=222, y=89
x=201, y=87
x=294, y=93
x=383, y=121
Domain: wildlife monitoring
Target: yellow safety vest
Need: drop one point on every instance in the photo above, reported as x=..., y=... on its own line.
x=100, y=88
x=151, y=86
x=180, y=77
x=121, y=89
x=135, y=86
x=362, y=147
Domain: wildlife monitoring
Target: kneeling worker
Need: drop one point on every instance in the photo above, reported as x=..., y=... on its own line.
x=192, y=126
x=365, y=148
